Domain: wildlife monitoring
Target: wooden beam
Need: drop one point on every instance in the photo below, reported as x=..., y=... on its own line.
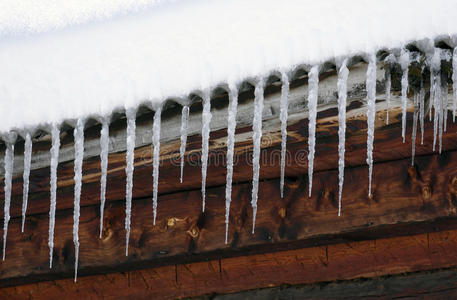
x=401, y=194
x=345, y=261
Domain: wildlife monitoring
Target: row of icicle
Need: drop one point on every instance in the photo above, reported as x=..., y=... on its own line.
x=438, y=100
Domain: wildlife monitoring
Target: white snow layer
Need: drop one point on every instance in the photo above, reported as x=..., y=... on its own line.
x=79, y=58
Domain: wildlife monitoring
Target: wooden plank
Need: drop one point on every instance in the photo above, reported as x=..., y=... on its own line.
x=401, y=194
x=345, y=261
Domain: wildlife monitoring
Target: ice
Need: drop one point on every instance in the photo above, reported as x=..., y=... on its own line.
x=257, y=139
x=313, y=86
x=421, y=110
x=417, y=97
x=26, y=175
x=78, y=134
x=404, y=63
x=131, y=115
x=435, y=91
x=156, y=158
x=206, y=120
x=182, y=148
x=104, y=148
x=233, y=107
x=454, y=83
x=55, y=136
x=9, y=139
x=283, y=115
x=390, y=59
x=446, y=56
x=371, y=113
x=343, y=74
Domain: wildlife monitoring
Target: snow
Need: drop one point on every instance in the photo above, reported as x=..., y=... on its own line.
x=9, y=160
x=206, y=120
x=343, y=74
x=231, y=126
x=313, y=88
x=182, y=148
x=55, y=136
x=156, y=159
x=79, y=155
x=71, y=59
x=257, y=139
x=26, y=175
x=283, y=115
x=104, y=148
x=131, y=126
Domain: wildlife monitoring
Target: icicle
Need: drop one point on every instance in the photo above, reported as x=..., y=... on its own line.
x=388, y=87
x=131, y=115
x=232, y=110
x=313, y=86
x=182, y=148
x=78, y=167
x=10, y=139
x=443, y=117
x=404, y=63
x=421, y=110
x=26, y=175
x=55, y=136
x=283, y=116
x=156, y=159
x=446, y=56
x=257, y=139
x=343, y=74
x=414, y=133
x=206, y=120
x=435, y=64
x=371, y=112
x=390, y=59
x=104, y=148
x=454, y=83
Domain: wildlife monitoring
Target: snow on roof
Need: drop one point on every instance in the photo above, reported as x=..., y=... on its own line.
x=79, y=58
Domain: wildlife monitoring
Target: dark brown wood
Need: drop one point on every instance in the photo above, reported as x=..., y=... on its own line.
x=345, y=261
x=401, y=194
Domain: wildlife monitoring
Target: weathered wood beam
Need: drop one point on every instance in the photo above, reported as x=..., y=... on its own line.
x=345, y=261
x=401, y=194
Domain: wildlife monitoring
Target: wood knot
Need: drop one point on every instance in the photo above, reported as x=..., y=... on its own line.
x=193, y=232
x=282, y=212
x=171, y=222
x=426, y=192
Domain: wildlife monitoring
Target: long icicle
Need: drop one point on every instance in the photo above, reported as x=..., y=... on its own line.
x=434, y=72
x=26, y=175
x=78, y=168
x=343, y=74
x=313, y=89
x=390, y=60
x=231, y=126
x=414, y=132
x=131, y=125
x=257, y=139
x=184, y=128
x=55, y=137
x=283, y=115
x=10, y=139
x=404, y=63
x=421, y=110
x=104, y=149
x=156, y=158
x=454, y=83
x=371, y=113
x=206, y=120
x=446, y=56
